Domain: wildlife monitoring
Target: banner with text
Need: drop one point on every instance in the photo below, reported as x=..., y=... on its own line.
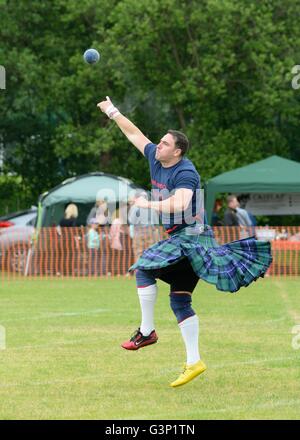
x=274, y=204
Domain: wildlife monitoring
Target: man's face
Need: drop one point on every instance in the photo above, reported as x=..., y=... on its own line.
x=234, y=203
x=166, y=150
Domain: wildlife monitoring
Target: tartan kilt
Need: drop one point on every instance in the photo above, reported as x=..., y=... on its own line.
x=228, y=267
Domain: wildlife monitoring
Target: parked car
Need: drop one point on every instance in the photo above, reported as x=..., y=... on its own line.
x=16, y=232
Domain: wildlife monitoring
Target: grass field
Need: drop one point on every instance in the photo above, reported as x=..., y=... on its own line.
x=63, y=358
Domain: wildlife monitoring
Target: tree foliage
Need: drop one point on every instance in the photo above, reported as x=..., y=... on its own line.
x=220, y=71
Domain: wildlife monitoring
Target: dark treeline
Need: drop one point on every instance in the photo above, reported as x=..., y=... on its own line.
x=221, y=71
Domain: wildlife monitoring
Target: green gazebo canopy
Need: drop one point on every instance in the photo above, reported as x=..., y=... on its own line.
x=83, y=191
x=271, y=175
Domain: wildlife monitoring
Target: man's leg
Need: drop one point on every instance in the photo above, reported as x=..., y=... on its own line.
x=182, y=282
x=188, y=323
x=147, y=293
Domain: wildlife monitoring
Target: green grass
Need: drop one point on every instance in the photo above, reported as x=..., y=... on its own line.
x=63, y=358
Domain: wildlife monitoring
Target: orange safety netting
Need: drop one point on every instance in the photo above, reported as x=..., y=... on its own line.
x=66, y=252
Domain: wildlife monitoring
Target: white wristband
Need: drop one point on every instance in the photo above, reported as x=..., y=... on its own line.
x=112, y=111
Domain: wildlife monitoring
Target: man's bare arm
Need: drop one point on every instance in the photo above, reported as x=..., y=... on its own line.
x=179, y=202
x=133, y=134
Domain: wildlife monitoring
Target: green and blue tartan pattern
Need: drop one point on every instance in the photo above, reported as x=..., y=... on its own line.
x=229, y=267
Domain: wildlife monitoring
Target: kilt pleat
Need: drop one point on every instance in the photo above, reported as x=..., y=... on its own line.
x=229, y=267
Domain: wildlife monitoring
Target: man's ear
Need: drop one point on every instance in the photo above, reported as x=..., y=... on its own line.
x=177, y=152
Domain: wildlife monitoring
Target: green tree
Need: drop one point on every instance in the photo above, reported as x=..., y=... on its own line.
x=220, y=71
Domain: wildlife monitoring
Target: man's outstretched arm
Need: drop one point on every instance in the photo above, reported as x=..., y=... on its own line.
x=133, y=134
x=178, y=202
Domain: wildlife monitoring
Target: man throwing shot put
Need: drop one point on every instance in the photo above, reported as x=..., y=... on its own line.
x=190, y=252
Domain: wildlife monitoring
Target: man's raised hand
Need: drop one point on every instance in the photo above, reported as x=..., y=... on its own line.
x=108, y=108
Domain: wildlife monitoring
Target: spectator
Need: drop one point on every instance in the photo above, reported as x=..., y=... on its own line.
x=68, y=239
x=115, y=234
x=230, y=215
x=116, y=229
x=120, y=241
x=216, y=221
x=144, y=226
x=244, y=217
x=70, y=217
x=246, y=220
x=93, y=244
x=100, y=212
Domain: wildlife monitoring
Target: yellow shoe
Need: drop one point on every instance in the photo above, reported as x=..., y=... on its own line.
x=189, y=373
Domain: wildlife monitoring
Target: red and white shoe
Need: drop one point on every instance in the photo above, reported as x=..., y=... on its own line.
x=138, y=340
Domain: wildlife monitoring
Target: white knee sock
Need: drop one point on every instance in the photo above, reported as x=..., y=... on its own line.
x=147, y=296
x=190, y=331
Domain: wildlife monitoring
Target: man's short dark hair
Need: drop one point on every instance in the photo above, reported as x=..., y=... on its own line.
x=181, y=141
